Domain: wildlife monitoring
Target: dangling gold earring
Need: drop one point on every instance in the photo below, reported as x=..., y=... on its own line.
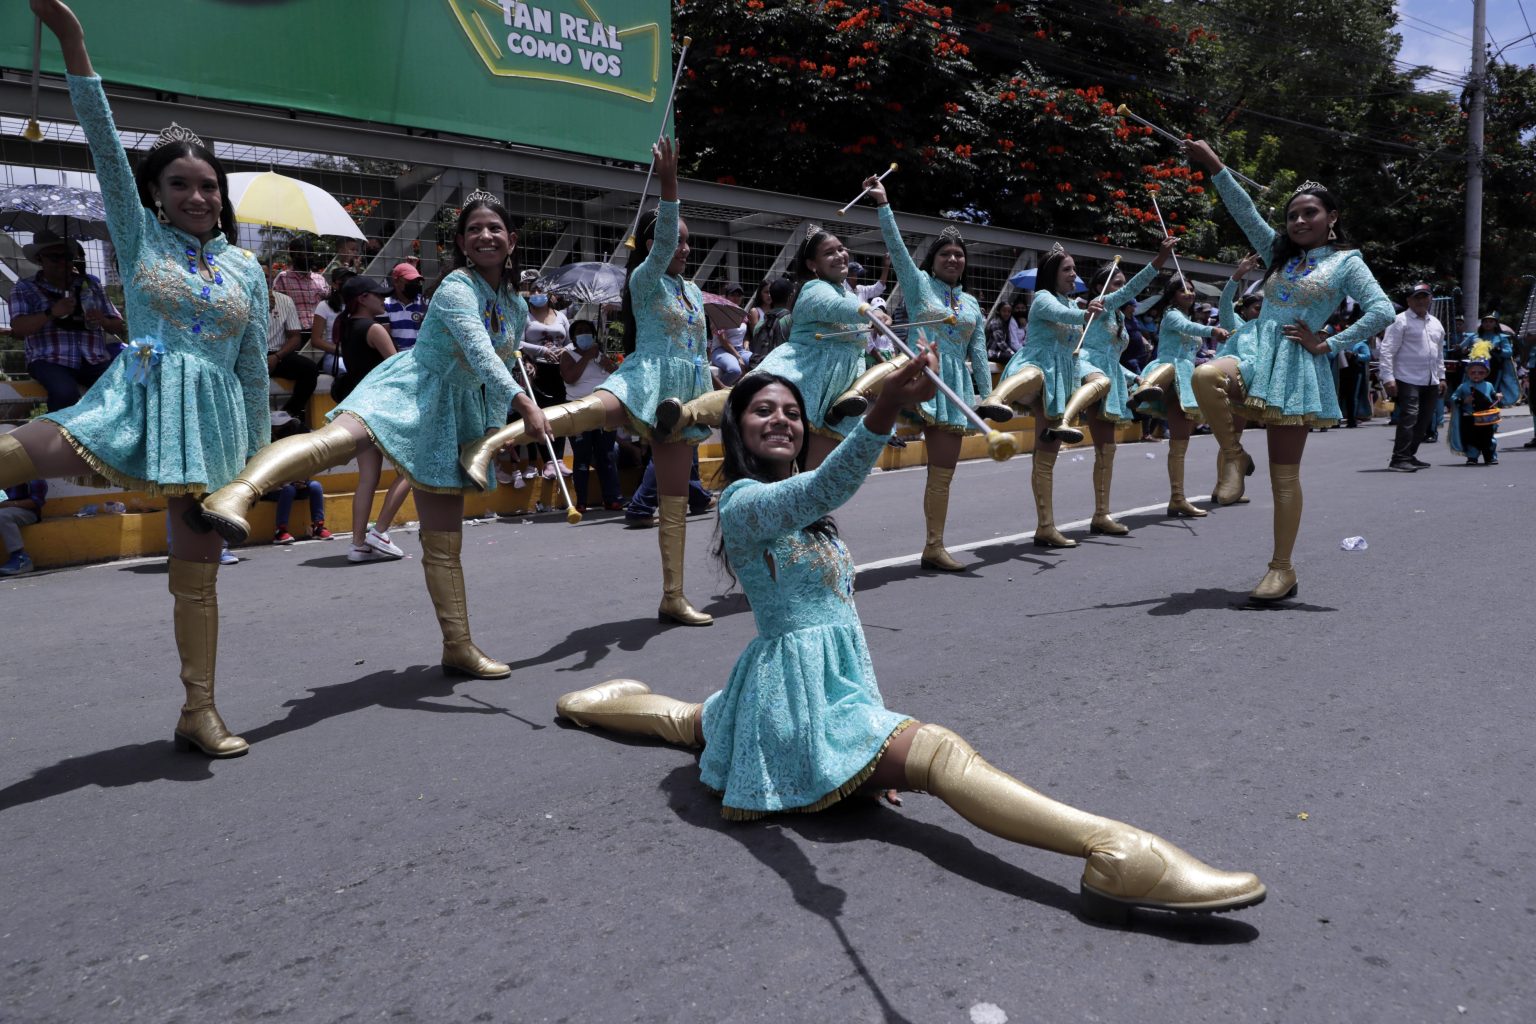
x=160, y=213
x=1332, y=235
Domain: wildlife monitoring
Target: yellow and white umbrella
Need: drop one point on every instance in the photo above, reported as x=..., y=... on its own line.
x=279, y=201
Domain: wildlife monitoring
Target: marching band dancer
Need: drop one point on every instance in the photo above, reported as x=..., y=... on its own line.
x=1287, y=381
x=186, y=402
x=1178, y=339
x=1102, y=393
x=418, y=407
x=651, y=389
x=824, y=369
x=937, y=289
x=801, y=724
x=1041, y=377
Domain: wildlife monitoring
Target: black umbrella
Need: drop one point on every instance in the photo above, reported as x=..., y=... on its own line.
x=583, y=283
x=67, y=212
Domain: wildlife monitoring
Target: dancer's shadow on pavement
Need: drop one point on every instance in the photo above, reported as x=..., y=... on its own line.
x=414, y=689
x=1208, y=599
x=974, y=560
x=858, y=819
x=591, y=644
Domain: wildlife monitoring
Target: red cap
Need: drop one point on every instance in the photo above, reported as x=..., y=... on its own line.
x=406, y=270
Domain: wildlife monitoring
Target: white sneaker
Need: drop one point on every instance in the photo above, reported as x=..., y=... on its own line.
x=381, y=543
x=506, y=479
x=228, y=557
x=364, y=554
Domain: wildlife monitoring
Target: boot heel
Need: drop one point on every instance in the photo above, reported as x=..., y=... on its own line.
x=193, y=517
x=182, y=744
x=1097, y=907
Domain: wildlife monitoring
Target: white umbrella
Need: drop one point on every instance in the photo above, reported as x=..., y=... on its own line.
x=265, y=197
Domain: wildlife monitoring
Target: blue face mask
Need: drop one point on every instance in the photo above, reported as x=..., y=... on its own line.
x=585, y=342
x=538, y=301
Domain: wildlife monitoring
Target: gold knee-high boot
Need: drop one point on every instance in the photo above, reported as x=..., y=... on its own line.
x=628, y=706
x=440, y=554
x=674, y=417
x=1088, y=394
x=1041, y=479
x=1221, y=461
x=196, y=617
x=565, y=420
x=1126, y=866
x=16, y=465
x=1279, y=582
x=672, y=523
x=1178, y=505
x=1154, y=384
x=865, y=389
x=935, y=512
x=1017, y=391
x=1215, y=401
x=293, y=458
x=1103, y=475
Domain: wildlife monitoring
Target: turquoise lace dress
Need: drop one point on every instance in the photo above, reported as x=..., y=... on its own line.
x=1178, y=339
x=1284, y=383
x=928, y=298
x=801, y=723
x=185, y=405
x=1241, y=333
x=822, y=368
x=449, y=388
x=1054, y=326
x=1106, y=339
x=671, y=356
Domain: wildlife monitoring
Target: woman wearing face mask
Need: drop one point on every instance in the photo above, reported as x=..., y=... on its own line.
x=418, y=408
x=585, y=366
x=1041, y=377
x=1178, y=339
x=1101, y=393
x=669, y=368
x=801, y=724
x=1287, y=382
x=186, y=403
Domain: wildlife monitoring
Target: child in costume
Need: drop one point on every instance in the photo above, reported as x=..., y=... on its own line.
x=1475, y=410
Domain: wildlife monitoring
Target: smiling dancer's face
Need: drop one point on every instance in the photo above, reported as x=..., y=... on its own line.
x=830, y=261
x=486, y=241
x=772, y=427
x=1307, y=221
x=188, y=190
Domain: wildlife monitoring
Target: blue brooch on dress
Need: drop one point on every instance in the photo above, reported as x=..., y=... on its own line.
x=492, y=316
x=143, y=356
x=1296, y=269
x=206, y=291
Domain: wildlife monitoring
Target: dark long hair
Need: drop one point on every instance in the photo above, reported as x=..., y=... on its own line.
x=933, y=255
x=738, y=462
x=1097, y=284
x=1045, y=274
x=1285, y=250
x=799, y=273
x=645, y=233
x=461, y=258
x=1176, y=284
x=151, y=167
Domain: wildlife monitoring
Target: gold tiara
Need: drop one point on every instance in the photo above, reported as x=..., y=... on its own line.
x=812, y=229
x=480, y=195
x=1310, y=186
x=951, y=236
x=175, y=133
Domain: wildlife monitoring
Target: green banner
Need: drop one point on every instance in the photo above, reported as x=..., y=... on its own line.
x=585, y=76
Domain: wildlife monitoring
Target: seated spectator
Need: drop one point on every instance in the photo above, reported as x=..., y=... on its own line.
x=641, y=508
x=284, y=339
x=585, y=365
x=64, y=316
x=728, y=354
x=300, y=282
x=406, y=307
x=349, y=256
x=322, y=330
x=285, y=496
x=999, y=342
x=773, y=329
x=23, y=506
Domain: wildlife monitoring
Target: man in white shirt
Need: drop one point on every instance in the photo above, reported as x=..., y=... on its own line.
x=1412, y=369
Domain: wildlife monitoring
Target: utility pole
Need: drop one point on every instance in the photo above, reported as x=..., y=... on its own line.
x=1477, y=86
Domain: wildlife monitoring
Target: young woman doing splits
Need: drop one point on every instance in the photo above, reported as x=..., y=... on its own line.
x=1178, y=339
x=418, y=408
x=186, y=403
x=801, y=723
x=664, y=313
x=1287, y=381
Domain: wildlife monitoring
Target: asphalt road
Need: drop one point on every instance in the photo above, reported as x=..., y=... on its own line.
x=400, y=847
